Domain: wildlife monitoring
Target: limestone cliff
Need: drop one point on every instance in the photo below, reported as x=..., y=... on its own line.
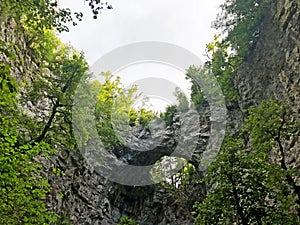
x=272, y=70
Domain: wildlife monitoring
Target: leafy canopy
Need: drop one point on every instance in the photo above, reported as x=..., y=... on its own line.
x=46, y=14
x=114, y=110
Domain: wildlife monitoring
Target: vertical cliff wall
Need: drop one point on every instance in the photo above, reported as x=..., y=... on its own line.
x=273, y=67
x=272, y=70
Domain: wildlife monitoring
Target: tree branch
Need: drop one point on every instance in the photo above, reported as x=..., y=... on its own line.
x=289, y=178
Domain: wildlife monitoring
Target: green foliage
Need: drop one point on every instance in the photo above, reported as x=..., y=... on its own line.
x=171, y=110
x=197, y=95
x=169, y=114
x=223, y=66
x=205, y=89
x=83, y=113
x=109, y=106
x=114, y=112
x=240, y=20
x=58, y=172
x=63, y=67
x=127, y=221
x=42, y=14
x=269, y=122
x=245, y=185
x=133, y=116
x=166, y=170
x=35, y=123
x=22, y=188
x=144, y=117
x=8, y=88
x=46, y=14
x=112, y=109
x=174, y=173
x=183, y=102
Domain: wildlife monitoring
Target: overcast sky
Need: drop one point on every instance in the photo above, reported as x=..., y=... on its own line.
x=184, y=23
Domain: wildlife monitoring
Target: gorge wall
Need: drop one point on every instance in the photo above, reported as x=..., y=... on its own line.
x=272, y=70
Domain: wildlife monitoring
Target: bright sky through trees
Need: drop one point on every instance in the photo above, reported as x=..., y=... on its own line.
x=183, y=23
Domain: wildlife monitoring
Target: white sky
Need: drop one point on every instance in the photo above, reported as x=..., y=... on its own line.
x=184, y=23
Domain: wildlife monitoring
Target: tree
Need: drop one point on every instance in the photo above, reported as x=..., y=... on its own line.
x=240, y=21
x=272, y=128
x=183, y=103
x=51, y=93
x=223, y=66
x=169, y=114
x=114, y=111
x=35, y=130
x=171, y=110
x=45, y=14
x=245, y=185
x=35, y=118
x=240, y=24
x=205, y=88
x=23, y=187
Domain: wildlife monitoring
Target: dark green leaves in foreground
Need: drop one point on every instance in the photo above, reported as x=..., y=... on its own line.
x=246, y=185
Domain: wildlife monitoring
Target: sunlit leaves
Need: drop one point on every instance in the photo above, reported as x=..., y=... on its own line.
x=127, y=221
x=114, y=110
x=239, y=22
x=268, y=121
x=22, y=186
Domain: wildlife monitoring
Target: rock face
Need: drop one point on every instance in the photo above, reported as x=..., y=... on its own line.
x=83, y=196
x=24, y=67
x=272, y=70
x=80, y=195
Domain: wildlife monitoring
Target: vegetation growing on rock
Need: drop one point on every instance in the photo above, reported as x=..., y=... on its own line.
x=254, y=179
